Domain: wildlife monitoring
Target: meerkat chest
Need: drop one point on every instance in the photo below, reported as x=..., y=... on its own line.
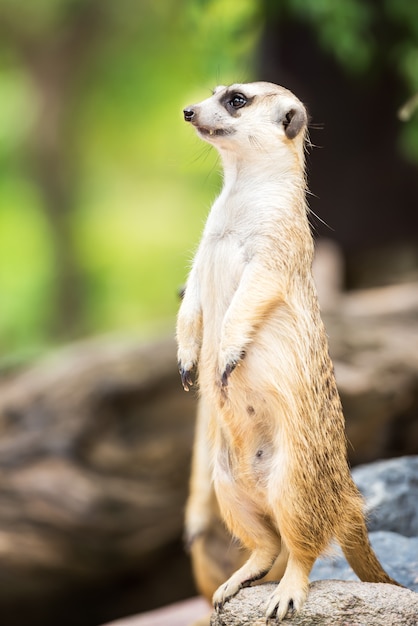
x=225, y=252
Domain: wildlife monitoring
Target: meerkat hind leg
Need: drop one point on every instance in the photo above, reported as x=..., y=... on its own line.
x=279, y=567
x=290, y=594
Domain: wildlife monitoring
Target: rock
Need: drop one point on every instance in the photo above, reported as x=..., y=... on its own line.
x=94, y=457
x=329, y=603
x=391, y=492
x=374, y=345
x=398, y=555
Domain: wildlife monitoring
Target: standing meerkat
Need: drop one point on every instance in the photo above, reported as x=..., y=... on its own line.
x=271, y=431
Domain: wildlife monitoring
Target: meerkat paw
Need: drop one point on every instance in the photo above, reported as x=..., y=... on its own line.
x=187, y=374
x=187, y=357
x=286, y=601
x=189, y=337
x=228, y=361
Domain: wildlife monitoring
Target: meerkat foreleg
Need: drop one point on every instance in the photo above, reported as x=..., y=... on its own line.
x=257, y=294
x=189, y=331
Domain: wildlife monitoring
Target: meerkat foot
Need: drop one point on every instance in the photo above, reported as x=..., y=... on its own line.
x=288, y=598
x=224, y=593
x=230, y=589
x=246, y=575
x=285, y=603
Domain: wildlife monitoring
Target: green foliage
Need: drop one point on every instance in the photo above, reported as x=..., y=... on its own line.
x=344, y=29
x=142, y=181
x=139, y=175
x=25, y=267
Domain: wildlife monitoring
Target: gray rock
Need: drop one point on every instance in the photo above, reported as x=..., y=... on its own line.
x=329, y=603
x=398, y=555
x=391, y=492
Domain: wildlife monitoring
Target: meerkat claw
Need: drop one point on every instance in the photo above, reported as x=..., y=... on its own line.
x=186, y=378
x=229, y=368
x=218, y=606
x=227, y=373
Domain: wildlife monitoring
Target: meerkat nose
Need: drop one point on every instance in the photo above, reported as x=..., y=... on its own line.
x=188, y=114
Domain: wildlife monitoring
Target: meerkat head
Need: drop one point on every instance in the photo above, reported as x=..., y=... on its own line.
x=256, y=114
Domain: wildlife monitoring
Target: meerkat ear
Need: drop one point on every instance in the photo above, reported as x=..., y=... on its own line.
x=293, y=121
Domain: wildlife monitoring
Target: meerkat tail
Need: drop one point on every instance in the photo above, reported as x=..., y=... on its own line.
x=360, y=555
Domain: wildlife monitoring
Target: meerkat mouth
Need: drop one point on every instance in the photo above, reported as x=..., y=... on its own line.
x=213, y=132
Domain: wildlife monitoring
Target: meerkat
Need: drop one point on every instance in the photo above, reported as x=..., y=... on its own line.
x=271, y=432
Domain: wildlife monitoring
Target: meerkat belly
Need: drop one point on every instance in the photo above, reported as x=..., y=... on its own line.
x=241, y=471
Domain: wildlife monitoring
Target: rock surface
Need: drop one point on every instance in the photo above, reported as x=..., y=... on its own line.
x=329, y=603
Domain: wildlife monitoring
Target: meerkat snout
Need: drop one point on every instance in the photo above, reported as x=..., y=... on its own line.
x=188, y=114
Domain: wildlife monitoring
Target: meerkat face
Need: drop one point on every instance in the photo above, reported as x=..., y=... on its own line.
x=253, y=113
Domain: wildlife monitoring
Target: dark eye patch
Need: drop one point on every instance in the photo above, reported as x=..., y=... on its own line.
x=235, y=100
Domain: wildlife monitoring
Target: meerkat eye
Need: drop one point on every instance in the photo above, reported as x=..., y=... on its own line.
x=238, y=100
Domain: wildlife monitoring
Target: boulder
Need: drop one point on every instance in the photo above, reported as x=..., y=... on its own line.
x=391, y=491
x=329, y=603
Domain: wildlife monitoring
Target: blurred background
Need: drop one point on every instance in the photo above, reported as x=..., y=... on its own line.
x=103, y=195
x=103, y=190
